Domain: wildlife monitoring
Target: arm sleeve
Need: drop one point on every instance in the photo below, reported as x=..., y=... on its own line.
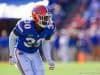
x=12, y=43
x=46, y=47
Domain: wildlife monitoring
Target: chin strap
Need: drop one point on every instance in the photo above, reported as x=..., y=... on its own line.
x=42, y=26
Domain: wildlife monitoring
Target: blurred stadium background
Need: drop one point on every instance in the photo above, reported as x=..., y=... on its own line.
x=76, y=43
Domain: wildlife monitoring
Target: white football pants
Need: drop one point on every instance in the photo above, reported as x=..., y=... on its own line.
x=29, y=63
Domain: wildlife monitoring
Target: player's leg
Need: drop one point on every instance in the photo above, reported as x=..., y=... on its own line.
x=37, y=64
x=24, y=63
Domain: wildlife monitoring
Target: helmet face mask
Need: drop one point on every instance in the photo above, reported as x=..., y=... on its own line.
x=44, y=21
x=41, y=16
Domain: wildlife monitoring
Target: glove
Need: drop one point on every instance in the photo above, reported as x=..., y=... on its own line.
x=12, y=60
x=51, y=65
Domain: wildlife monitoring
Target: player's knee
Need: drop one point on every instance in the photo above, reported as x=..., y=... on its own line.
x=28, y=72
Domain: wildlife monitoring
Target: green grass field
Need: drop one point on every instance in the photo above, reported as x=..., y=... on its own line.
x=61, y=69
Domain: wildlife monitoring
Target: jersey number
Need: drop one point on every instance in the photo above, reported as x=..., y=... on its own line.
x=31, y=42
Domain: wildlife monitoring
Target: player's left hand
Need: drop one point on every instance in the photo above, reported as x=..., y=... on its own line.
x=51, y=66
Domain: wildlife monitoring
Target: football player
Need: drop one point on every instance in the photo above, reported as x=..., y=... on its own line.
x=26, y=38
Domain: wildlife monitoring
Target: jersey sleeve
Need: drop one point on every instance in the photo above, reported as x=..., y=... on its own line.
x=51, y=31
x=18, y=29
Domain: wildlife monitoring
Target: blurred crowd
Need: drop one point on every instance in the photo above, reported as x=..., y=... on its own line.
x=77, y=37
x=4, y=46
x=78, y=30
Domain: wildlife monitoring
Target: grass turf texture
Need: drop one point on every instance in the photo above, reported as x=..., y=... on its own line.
x=61, y=69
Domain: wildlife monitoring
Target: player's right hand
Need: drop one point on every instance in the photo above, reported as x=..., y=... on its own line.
x=12, y=60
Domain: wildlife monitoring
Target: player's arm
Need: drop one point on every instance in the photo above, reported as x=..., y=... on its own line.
x=12, y=44
x=47, y=53
x=47, y=48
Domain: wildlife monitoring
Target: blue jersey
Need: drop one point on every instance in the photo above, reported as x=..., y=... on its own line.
x=29, y=39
